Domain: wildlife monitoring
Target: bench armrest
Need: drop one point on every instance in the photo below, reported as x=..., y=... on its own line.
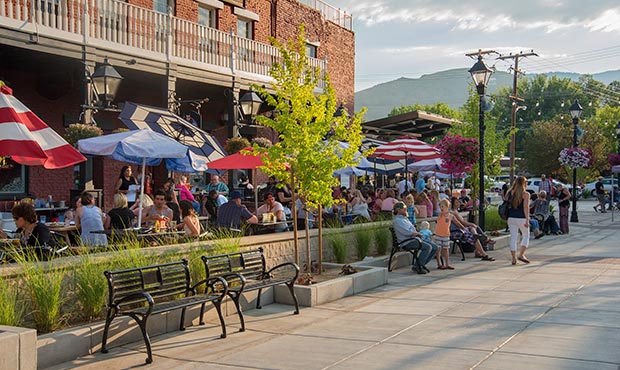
x=284, y=266
x=414, y=238
x=210, y=282
x=135, y=298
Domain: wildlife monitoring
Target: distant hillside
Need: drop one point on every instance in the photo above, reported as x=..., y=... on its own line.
x=449, y=87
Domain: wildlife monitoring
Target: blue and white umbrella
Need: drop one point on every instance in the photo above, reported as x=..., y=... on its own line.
x=144, y=147
x=203, y=148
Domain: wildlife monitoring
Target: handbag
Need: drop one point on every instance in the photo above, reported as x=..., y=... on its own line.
x=503, y=209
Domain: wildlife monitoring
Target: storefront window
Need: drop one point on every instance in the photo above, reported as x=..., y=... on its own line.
x=12, y=179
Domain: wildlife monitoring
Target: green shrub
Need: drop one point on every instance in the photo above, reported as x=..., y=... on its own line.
x=90, y=286
x=492, y=221
x=339, y=246
x=11, y=309
x=383, y=240
x=44, y=288
x=363, y=238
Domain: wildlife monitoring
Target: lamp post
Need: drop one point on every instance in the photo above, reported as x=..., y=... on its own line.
x=618, y=136
x=481, y=74
x=250, y=104
x=575, y=112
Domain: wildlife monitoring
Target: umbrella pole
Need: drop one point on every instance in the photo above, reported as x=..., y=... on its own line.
x=141, y=193
x=255, y=190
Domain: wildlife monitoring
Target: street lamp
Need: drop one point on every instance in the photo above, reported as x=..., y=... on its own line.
x=250, y=104
x=106, y=81
x=575, y=112
x=481, y=74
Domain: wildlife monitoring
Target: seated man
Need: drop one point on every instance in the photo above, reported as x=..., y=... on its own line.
x=465, y=202
x=159, y=210
x=276, y=208
x=232, y=214
x=407, y=233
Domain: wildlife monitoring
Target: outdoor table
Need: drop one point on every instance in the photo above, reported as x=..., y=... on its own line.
x=62, y=229
x=147, y=235
x=267, y=227
x=50, y=211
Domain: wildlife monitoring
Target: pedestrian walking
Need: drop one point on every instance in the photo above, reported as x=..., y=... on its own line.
x=519, y=219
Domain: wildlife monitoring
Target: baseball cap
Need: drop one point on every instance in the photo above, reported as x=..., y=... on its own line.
x=600, y=178
x=235, y=195
x=398, y=206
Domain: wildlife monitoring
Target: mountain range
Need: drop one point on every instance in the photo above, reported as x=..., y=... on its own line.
x=449, y=87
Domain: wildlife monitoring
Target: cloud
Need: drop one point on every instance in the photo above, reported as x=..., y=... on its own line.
x=490, y=15
x=405, y=49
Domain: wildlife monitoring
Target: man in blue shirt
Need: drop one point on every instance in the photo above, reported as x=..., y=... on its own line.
x=407, y=233
x=233, y=214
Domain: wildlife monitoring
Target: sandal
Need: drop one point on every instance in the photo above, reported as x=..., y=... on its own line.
x=487, y=258
x=514, y=262
x=441, y=267
x=448, y=267
x=523, y=259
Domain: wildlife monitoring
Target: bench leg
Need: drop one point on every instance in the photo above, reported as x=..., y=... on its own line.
x=218, y=308
x=106, y=329
x=291, y=288
x=258, y=306
x=182, y=323
x=392, y=252
x=236, y=296
x=147, y=341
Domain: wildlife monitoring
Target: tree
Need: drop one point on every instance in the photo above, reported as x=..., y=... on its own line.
x=441, y=109
x=543, y=145
x=309, y=134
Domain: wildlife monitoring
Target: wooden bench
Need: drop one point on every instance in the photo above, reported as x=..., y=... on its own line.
x=246, y=271
x=142, y=291
x=398, y=247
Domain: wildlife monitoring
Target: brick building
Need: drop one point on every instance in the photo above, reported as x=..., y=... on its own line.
x=165, y=50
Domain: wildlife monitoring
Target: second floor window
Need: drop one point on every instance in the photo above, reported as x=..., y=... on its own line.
x=311, y=50
x=206, y=16
x=160, y=6
x=245, y=28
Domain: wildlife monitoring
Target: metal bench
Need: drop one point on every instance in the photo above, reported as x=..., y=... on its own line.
x=398, y=247
x=142, y=291
x=246, y=271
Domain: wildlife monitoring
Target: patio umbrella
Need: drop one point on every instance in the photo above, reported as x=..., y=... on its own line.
x=406, y=148
x=28, y=140
x=144, y=147
x=426, y=165
x=203, y=148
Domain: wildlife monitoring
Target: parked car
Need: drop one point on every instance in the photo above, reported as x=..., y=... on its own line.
x=606, y=184
x=534, y=182
x=498, y=183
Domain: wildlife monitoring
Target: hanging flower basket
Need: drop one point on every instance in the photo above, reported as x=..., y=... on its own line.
x=458, y=154
x=575, y=157
x=79, y=131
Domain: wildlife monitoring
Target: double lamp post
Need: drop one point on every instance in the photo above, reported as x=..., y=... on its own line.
x=575, y=112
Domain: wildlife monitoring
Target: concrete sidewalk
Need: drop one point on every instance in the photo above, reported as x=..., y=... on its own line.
x=562, y=311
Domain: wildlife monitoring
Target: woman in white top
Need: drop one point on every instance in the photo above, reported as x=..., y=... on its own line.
x=358, y=205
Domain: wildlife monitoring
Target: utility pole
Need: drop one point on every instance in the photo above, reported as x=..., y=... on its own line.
x=514, y=106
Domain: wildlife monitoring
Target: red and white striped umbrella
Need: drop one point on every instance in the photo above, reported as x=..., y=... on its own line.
x=406, y=148
x=28, y=140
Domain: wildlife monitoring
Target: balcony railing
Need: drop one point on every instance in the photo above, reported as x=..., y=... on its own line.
x=331, y=13
x=111, y=24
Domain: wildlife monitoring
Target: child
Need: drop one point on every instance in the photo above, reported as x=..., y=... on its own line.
x=442, y=232
x=427, y=234
x=412, y=211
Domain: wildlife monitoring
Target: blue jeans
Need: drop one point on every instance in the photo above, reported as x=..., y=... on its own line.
x=427, y=251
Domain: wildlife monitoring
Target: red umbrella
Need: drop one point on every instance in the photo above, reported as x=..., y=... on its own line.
x=237, y=161
x=28, y=140
x=406, y=147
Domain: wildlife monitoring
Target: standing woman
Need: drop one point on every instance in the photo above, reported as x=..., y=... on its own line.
x=125, y=179
x=564, y=202
x=89, y=218
x=519, y=218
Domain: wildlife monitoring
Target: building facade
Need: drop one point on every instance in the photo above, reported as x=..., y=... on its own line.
x=193, y=56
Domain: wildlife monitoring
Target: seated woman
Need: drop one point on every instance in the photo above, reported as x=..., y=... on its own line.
x=190, y=223
x=89, y=218
x=359, y=206
x=544, y=216
x=119, y=217
x=33, y=234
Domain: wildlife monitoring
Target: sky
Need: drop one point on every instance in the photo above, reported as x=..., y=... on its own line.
x=410, y=38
